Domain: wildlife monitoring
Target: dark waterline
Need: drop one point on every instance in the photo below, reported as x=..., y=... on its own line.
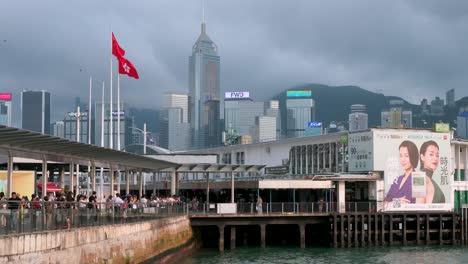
x=294, y=255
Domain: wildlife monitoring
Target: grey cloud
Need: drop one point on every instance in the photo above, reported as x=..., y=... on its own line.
x=415, y=48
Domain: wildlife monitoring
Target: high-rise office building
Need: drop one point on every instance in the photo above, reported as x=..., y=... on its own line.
x=425, y=107
x=450, y=98
x=5, y=109
x=58, y=129
x=125, y=125
x=204, y=89
x=174, y=126
x=397, y=118
x=300, y=110
x=242, y=117
x=358, y=119
x=437, y=107
x=272, y=108
x=174, y=134
x=35, y=111
x=265, y=127
x=462, y=125
x=179, y=100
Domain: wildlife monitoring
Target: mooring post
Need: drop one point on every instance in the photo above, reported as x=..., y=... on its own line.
x=342, y=230
x=428, y=237
x=334, y=231
x=363, y=232
x=262, y=235
x=221, y=238
x=454, y=224
x=418, y=230
x=302, y=234
x=233, y=237
x=441, y=242
x=391, y=230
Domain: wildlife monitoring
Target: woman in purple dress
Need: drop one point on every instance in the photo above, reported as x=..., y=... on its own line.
x=402, y=186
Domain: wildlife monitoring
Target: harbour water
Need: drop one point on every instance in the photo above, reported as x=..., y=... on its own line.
x=294, y=255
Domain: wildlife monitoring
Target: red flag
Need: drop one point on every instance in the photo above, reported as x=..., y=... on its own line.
x=126, y=67
x=116, y=49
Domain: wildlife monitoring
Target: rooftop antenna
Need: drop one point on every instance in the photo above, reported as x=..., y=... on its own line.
x=203, y=16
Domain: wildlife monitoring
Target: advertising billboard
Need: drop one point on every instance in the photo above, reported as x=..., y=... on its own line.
x=23, y=182
x=236, y=95
x=5, y=96
x=416, y=166
x=303, y=93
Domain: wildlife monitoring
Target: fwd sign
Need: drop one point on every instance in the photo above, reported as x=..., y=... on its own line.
x=232, y=95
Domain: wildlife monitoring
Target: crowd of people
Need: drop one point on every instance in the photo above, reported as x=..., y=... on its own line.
x=62, y=210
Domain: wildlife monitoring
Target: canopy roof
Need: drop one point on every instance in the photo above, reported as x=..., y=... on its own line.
x=28, y=144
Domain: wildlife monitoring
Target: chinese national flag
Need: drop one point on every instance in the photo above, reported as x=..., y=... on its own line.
x=126, y=67
x=116, y=49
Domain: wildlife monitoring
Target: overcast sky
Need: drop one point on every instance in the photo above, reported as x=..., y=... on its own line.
x=413, y=49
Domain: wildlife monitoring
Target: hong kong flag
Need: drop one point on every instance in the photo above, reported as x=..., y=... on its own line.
x=116, y=49
x=126, y=67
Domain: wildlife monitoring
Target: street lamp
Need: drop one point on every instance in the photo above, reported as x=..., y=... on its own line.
x=144, y=136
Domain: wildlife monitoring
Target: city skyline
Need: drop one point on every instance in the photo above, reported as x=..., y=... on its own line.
x=401, y=46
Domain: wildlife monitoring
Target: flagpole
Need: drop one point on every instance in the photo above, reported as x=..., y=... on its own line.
x=89, y=110
x=118, y=111
x=101, y=183
x=111, y=130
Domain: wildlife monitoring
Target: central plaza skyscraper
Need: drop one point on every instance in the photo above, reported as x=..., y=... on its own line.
x=204, y=92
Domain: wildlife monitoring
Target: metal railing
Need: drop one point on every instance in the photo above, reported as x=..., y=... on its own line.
x=28, y=217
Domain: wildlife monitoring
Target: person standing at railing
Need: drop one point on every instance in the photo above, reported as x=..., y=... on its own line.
x=35, y=210
x=14, y=204
x=3, y=210
x=49, y=207
x=92, y=206
x=259, y=205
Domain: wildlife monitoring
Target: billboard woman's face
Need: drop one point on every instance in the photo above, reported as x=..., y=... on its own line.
x=405, y=159
x=431, y=158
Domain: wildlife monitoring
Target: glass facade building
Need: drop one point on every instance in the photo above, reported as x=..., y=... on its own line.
x=35, y=111
x=204, y=90
x=5, y=113
x=300, y=110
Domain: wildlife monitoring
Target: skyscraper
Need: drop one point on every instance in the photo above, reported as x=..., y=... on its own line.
x=358, y=119
x=450, y=98
x=300, y=110
x=35, y=111
x=204, y=90
x=58, y=129
x=174, y=128
x=5, y=109
x=396, y=116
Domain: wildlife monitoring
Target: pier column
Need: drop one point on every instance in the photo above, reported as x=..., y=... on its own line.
x=341, y=197
x=454, y=223
x=390, y=239
x=342, y=242
x=44, y=176
x=428, y=237
x=302, y=234
x=221, y=238
x=72, y=178
x=440, y=230
x=111, y=174
x=9, y=185
x=262, y=235
x=93, y=177
x=233, y=237
x=173, y=183
x=62, y=178
x=404, y=230
x=418, y=229
x=335, y=231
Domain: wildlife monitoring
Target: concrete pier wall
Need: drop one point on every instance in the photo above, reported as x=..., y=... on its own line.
x=123, y=243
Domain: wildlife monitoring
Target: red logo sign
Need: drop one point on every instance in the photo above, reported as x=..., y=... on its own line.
x=5, y=96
